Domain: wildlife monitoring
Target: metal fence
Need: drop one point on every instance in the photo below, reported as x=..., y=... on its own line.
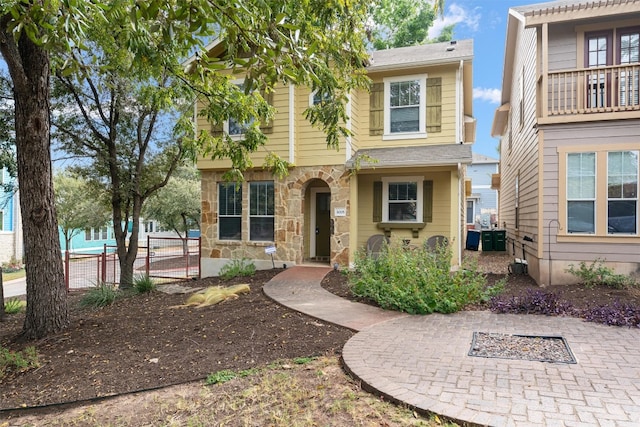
x=164, y=259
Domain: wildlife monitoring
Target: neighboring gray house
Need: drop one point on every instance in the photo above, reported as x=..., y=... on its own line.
x=482, y=204
x=570, y=135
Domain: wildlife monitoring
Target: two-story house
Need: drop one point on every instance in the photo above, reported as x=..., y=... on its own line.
x=570, y=135
x=416, y=123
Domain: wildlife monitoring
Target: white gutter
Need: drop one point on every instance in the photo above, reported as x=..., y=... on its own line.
x=292, y=128
x=459, y=102
x=417, y=64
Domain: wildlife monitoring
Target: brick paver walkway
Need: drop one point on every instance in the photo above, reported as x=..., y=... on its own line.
x=423, y=361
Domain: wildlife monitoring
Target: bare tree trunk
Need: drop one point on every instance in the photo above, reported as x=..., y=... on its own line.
x=28, y=64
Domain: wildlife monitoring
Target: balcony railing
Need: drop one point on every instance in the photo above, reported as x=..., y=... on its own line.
x=593, y=90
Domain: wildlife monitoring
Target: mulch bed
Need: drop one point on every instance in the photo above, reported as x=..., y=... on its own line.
x=144, y=341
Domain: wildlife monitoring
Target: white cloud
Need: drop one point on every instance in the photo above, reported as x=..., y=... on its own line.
x=458, y=15
x=487, y=94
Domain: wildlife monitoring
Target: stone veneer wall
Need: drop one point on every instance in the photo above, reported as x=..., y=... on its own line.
x=289, y=219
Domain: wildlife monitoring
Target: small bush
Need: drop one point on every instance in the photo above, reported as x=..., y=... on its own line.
x=417, y=281
x=14, y=306
x=615, y=314
x=18, y=361
x=238, y=267
x=143, y=284
x=532, y=302
x=100, y=296
x=598, y=274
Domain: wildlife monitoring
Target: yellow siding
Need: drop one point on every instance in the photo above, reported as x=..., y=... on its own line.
x=448, y=133
x=278, y=140
x=311, y=142
x=444, y=205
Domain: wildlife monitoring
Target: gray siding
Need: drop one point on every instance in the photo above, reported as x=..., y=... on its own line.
x=562, y=48
x=522, y=158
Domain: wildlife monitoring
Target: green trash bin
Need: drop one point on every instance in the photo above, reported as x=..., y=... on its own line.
x=487, y=240
x=500, y=240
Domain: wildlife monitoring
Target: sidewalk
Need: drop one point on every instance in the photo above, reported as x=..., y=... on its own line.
x=423, y=362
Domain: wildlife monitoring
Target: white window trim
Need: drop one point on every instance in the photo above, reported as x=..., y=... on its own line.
x=385, y=196
x=422, y=126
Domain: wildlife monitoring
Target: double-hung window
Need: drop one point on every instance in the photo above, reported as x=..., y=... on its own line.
x=261, y=211
x=581, y=192
x=233, y=127
x=622, y=192
x=229, y=211
x=402, y=199
x=405, y=107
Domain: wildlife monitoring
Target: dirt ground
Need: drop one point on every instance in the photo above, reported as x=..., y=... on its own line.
x=145, y=342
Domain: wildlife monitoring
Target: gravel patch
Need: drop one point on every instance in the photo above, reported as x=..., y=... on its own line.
x=521, y=347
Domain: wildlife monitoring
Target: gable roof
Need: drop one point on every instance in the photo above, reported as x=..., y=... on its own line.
x=482, y=159
x=569, y=10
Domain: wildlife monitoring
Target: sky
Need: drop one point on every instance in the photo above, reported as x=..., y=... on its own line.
x=484, y=21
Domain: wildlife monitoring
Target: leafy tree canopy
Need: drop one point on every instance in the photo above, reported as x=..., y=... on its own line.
x=400, y=23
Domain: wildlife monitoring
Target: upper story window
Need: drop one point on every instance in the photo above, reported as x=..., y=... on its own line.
x=318, y=97
x=613, y=87
x=233, y=127
x=402, y=199
x=405, y=107
x=229, y=211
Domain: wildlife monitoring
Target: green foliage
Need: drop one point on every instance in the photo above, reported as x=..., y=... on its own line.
x=100, y=296
x=597, y=273
x=143, y=284
x=177, y=205
x=418, y=281
x=238, y=267
x=220, y=377
x=12, y=265
x=399, y=23
x=14, y=306
x=17, y=361
x=303, y=360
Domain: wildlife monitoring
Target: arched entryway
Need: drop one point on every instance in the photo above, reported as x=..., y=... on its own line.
x=318, y=206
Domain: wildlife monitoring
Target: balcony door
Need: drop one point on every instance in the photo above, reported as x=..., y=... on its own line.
x=599, y=55
x=628, y=56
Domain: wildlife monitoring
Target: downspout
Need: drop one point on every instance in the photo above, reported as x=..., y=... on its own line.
x=460, y=216
x=459, y=104
x=292, y=127
x=348, y=126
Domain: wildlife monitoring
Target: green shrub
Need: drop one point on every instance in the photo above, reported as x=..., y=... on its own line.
x=143, y=284
x=100, y=296
x=18, y=361
x=238, y=267
x=14, y=306
x=599, y=274
x=418, y=281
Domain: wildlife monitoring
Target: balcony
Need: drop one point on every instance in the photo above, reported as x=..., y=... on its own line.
x=601, y=93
